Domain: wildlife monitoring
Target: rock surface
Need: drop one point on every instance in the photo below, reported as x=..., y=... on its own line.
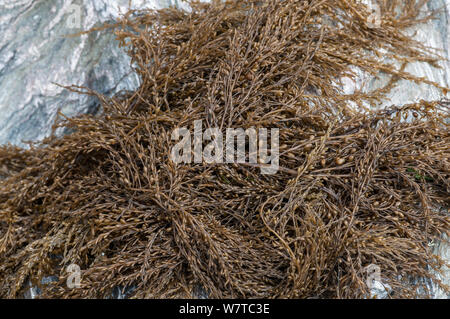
x=35, y=53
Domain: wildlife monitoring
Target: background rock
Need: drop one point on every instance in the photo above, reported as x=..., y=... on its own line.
x=34, y=52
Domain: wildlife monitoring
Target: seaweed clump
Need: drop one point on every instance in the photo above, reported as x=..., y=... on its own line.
x=356, y=185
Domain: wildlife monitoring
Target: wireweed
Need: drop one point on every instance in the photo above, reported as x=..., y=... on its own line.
x=356, y=185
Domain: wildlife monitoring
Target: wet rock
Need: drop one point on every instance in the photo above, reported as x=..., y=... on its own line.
x=35, y=52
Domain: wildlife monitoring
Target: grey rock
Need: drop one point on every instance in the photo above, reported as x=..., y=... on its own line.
x=35, y=52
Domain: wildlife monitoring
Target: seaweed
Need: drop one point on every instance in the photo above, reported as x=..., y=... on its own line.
x=108, y=198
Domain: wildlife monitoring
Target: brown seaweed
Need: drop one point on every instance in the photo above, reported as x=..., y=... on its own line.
x=356, y=185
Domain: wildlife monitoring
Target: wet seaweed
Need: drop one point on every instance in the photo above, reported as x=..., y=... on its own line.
x=357, y=185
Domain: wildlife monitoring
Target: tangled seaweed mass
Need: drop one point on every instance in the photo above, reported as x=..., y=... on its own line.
x=357, y=185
